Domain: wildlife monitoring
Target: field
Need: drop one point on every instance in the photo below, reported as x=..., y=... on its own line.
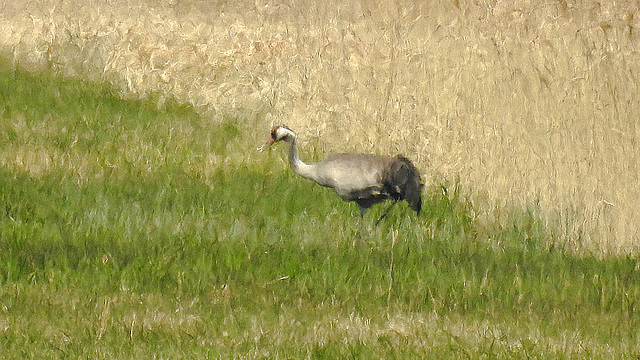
x=137, y=220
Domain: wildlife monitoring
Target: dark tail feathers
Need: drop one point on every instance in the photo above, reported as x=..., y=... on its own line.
x=403, y=182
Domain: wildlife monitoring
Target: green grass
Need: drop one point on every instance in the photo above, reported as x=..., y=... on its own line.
x=146, y=254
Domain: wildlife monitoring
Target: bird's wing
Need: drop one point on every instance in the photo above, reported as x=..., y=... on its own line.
x=350, y=174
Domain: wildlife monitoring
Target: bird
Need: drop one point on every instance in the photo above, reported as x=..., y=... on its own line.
x=365, y=179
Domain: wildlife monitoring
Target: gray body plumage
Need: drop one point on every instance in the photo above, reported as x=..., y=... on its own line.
x=361, y=178
x=349, y=174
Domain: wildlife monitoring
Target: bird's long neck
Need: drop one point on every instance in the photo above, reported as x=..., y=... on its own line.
x=298, y=166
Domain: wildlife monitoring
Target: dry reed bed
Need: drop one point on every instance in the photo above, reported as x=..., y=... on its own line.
x=528, y=103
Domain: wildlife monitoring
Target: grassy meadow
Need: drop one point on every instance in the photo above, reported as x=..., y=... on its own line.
x=114, y=245
x=138, y=221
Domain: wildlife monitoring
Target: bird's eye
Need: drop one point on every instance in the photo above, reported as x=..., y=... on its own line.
x=273, y=134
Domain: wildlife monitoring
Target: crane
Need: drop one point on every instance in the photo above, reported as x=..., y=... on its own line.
x=362, y=178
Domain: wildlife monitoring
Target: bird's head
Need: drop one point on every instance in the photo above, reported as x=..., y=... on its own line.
x=278, y=133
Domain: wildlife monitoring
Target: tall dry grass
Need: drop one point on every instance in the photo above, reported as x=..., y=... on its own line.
x=529, y=103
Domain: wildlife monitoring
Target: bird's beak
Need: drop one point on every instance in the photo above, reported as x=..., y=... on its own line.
x=266, y=144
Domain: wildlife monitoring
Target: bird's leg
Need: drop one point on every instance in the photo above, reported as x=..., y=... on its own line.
x=358, y=237
x=386, y=211
x=362, y=211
